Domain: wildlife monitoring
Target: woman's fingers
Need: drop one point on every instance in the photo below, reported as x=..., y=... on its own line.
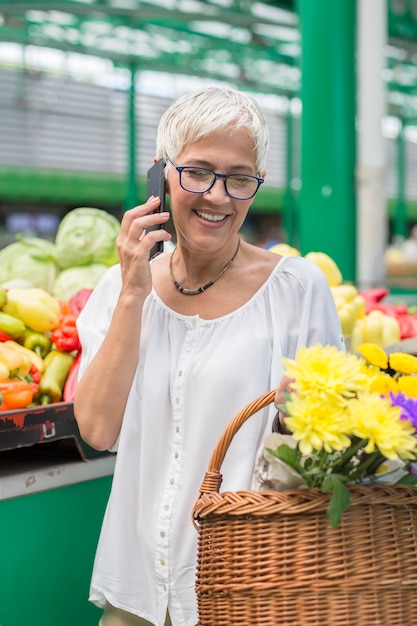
x=284, y=386
x=136, y=221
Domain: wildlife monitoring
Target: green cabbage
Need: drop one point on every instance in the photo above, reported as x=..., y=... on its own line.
x=87, y=235
x=31, y=260
x=71, y=280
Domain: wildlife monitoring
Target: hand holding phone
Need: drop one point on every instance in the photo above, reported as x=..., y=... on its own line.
x=156, y=187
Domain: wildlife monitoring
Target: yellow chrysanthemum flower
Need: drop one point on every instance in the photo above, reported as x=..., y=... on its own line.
x=403, y=363
x=383, y=384
x=371, y=376
x=316, y=423
x=325, y=371
x=407, y=385
x=375, y=419
x=374, y=354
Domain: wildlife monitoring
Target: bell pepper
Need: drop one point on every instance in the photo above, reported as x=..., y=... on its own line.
x=36, y=308
x=408, y=325
x=65, y=337
x=328, y=266
x=374, y=295
x=34, y=378
x=72, y=380
x=29, y=354
x=3, y=297
x=78, y=301
x=4, y=372
x=377, y=328
x=16, y=363
x=347, y=317
x=15, y=394
x=64, y=307
x=39, y=343
x=11, y=325
x=54, y=376
x=4, y=336
x=350, y=306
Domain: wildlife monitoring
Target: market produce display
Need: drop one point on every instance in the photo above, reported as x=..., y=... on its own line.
x=39, y=347
x=84, y=248
x=365, y=316
x=43, y=287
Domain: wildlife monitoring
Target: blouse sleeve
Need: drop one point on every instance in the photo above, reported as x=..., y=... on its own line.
x=314, y=305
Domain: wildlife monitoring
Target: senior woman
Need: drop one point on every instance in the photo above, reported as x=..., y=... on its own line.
x=173, y=348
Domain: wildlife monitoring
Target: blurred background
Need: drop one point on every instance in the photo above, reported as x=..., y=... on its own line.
x=83, y=84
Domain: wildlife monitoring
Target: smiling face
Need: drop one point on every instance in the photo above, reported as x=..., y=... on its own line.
x=211, y=219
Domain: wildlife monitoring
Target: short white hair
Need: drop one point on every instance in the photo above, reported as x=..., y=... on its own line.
x=198, y=114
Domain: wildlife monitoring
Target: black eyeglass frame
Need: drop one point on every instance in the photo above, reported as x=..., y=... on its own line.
x=225, y=177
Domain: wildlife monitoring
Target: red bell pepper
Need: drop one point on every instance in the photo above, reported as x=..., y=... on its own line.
x=72, y=380
x=78, y=301
x=5, y=336
x=374, y=295
x=65, y=337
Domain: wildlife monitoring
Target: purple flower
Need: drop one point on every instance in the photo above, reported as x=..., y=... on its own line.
x=408, y=407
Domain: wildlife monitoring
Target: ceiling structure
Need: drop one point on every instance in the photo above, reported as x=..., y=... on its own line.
x=254, y=45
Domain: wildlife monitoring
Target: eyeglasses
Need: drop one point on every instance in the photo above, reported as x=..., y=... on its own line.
x=200, y=180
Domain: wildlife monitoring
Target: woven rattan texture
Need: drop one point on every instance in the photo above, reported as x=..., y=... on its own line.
x=287, y=566
x=272, y=559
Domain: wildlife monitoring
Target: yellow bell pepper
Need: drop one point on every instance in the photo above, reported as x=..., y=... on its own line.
x=349, y=304
x=377, y=328
x=284, y=249
x=36, y=308
x=34, y=358
x=14, y=361
x=4, y=372
x=327, y=266
x=347, y=317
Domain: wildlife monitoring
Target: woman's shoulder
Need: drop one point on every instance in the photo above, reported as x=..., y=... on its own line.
x=298, y=266
x=300, y=271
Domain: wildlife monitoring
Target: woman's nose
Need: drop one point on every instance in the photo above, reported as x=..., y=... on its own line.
x=218, y=191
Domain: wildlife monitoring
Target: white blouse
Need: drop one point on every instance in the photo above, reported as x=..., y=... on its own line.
x=193, y=376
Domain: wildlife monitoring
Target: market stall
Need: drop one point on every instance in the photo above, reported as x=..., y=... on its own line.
x=53, y=486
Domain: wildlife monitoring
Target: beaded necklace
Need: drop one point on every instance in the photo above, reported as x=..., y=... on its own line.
x=194, y=292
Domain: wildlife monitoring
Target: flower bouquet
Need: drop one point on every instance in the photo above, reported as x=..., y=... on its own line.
x=351, y=420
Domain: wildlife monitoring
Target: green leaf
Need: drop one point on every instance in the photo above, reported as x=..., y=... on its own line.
x=282, y=408
x=409, y=480
x=290, y=456
x=340, y=498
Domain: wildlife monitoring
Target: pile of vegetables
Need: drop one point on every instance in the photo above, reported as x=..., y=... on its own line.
x=364, y=315
x=43, y=287
x=84, y=248
x=39, y=347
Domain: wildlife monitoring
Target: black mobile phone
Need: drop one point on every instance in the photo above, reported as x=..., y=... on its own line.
x=156, y=187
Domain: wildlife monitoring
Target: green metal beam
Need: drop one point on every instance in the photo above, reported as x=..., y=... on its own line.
x=327, y=197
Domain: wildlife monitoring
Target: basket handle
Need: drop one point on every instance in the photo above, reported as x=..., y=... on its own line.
x=212, y=479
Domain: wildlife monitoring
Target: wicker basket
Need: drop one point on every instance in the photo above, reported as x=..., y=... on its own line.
x=271, y=558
